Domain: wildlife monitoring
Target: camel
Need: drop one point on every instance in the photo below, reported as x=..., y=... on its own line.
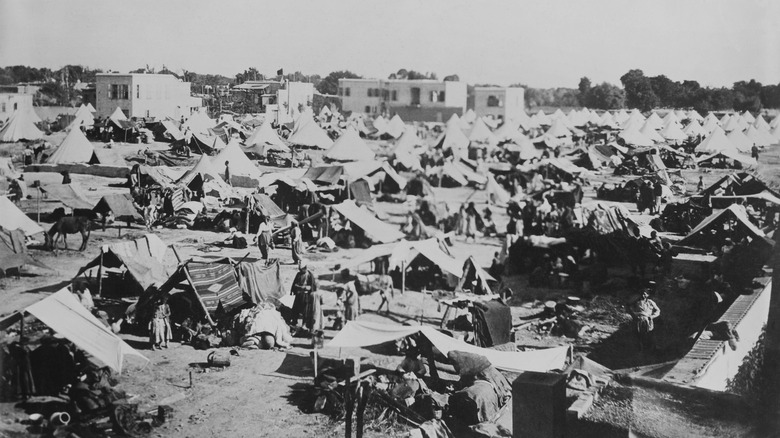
x=69, y=225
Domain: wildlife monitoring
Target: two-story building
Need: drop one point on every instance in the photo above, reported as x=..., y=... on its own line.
x=499, y=102
x=144, y=95
x=420, y=99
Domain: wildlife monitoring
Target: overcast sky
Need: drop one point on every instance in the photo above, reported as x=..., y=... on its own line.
x=543, y=43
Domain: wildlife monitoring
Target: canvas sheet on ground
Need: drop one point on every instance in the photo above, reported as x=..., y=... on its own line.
x=364, y=334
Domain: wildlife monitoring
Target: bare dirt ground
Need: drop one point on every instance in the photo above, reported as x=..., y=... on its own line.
x=263, y=393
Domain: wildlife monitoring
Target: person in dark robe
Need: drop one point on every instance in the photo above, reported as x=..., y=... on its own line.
x=303, y=284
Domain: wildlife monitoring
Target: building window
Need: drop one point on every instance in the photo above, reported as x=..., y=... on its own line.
x=441, y=96
x=368, y=109
x=370, y=92
x=3, y=108
x=415, y=95
x=493, y=101
x=341, y=91
x=16, y=106
x=434, y=96
x=137, y=91
x=347, y=91
x=113, y=90
x=376, y=92
x=395, y=95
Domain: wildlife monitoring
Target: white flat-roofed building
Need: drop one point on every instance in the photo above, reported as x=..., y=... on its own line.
x=144, y=95
x=499, y=102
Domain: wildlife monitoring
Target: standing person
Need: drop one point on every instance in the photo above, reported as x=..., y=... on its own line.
x=700, y=185
x=303, y=284
x=264, y=238
x=644, y=311
x=658, y=192
x=227, y=173
x=160, y=325
x=296, y=242
x=471, y=222
x=754, y=151
x=349, y=296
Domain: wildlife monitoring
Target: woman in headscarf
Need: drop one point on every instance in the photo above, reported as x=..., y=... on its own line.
x=296, y=242
x=264, y=239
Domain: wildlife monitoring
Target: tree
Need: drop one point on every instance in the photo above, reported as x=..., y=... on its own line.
x=330, y=83
x=606, y=96
x=584, y=91
x=639, y=90
x=451, y=78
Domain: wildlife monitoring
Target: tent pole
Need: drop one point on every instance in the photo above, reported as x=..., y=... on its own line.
x=100, y=274
x=403, y=276
x=21, y=329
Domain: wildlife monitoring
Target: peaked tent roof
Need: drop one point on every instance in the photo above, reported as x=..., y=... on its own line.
x=732, y=124
x=240, y=164
x=748, y=116
x=117, y=116
x=20, y=126
x=710, y=116
x=775, y=122
x=558, y=129
x=508, y=130
x=715, y=142
x=350, y=147
x=759, y=137
x=482, y=135
x=651, y=133
x=83, y=117
x=654, y=121
x=75, y=148
x=307, y=133
x=634, y=137
x=205, y=168
x=694, y=129
x=91, y=108
x=710, y=124
x=199, y=123
x=733, y=211
x=542, y=118
x=673, y=132
x=65, y=315
x=396, y=127
x=470, y=116
x=265, y=139
x=693, y=115
x=13, y=219
x=740, y=140
x=453, y=138
x=761, y=123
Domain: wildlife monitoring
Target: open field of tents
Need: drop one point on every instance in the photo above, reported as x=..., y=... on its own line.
x=524, y=243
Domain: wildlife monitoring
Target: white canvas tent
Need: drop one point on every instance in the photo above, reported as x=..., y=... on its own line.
x=14, y=219
x=307, y=133
x=75, y=148
x=65, y=315
x=240, y=164
x=20, y=126
x=265, y=139
x=350, y=147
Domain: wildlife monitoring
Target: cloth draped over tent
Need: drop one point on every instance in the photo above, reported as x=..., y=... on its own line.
x=13, y=251
x=365, y=333
x=64, y=314
x=144, y=259
x=732, y=212
x=261, y=281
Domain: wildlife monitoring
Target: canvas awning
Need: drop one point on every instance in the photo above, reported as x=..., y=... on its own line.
x=68, y=194
x=365, y=333
x=327, y=175
x=375, y=229
x=64, y=314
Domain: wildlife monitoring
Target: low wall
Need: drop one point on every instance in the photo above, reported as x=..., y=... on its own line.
x=711, y=364
x=84, y=169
